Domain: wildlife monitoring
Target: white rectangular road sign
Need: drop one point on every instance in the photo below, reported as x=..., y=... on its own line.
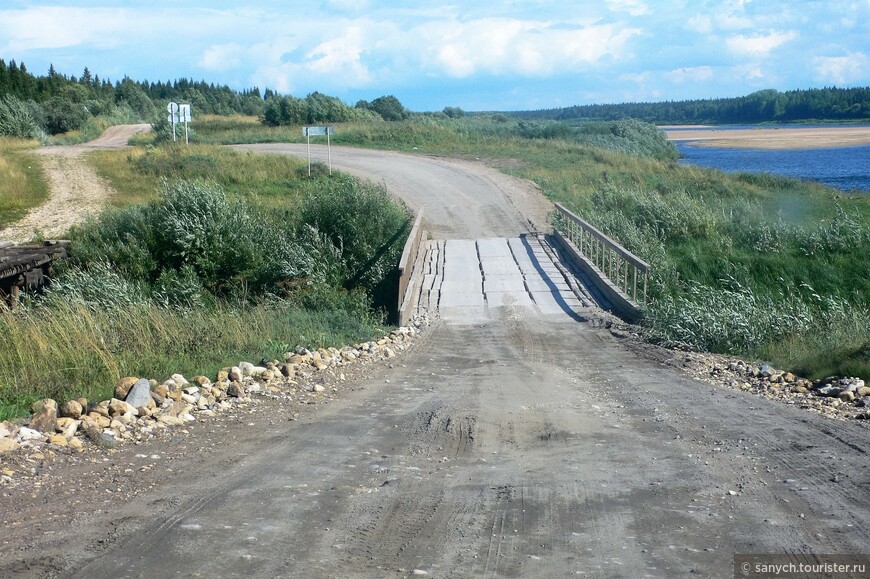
x=184, y=113
x=317, y=131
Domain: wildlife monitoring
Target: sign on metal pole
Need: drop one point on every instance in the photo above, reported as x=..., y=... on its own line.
x=319, y=131
x=172, y=108
x=184, y=115
x=179, y=114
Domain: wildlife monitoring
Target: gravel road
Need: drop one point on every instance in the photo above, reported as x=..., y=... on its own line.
x=76, y=191
x=521, y=443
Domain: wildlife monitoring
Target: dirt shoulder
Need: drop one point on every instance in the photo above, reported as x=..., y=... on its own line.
x=76, y=190
x=771, y=138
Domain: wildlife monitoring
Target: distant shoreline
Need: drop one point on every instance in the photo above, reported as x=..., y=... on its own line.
x=769, y=138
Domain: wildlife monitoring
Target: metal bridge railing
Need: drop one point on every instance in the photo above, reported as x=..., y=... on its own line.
x=622, y=268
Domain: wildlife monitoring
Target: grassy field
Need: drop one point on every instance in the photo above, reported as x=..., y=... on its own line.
x=22, y=185
x=137, y=174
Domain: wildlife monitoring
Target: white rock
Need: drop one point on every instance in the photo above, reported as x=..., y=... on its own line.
x=27, y=434
x=179, y=379
x=246, y=368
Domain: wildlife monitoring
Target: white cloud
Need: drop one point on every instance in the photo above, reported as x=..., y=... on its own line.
x=842, y=70
x=749, y=73
x=633, y=7
x=525, y=48
x=220, y=57
x=691, y=74
x=700, y=23
x=341, y=56
x=58, y=27
x=759, y=45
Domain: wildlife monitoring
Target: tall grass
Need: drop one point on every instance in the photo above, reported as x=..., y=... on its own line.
x=73, y=349
x=137, y=175
x=22, y=184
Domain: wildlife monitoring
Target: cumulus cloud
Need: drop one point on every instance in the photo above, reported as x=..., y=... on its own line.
x=759, y=45
x=522, y=47
x=222, y=57
x=842, y=70
x=52, y=27
x=341, y=56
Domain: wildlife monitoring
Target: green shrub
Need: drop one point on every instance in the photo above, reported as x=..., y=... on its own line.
x=19, y=119
x=63, y=115
x=366, y=225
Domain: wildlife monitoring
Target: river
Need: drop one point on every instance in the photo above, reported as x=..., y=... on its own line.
x=844, y=168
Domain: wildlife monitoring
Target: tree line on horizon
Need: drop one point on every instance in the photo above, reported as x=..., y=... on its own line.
x=32, y=105
x=55, y=103
x=769, y=105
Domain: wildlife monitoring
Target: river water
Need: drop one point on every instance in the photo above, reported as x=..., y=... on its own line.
x=845, y=168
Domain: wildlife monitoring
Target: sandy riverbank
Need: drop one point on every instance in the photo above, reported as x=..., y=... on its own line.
x=772, y=138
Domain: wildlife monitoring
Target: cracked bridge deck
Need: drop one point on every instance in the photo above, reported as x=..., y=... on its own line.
x=469, y=281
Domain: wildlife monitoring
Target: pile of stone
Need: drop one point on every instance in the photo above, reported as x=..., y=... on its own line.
x=142, y=408
x=834, y=396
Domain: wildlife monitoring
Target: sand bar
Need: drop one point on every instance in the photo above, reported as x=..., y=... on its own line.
x=771, y=138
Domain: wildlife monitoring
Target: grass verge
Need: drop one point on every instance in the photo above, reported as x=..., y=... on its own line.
x=22, y=184
x=70, y=349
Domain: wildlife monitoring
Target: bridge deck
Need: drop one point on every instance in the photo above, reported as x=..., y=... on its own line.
x=469, y=281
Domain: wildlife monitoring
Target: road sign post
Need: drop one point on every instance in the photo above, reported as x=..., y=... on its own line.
x=179, y=114
x=172, y=108
x=184, y=115
x=319, y=131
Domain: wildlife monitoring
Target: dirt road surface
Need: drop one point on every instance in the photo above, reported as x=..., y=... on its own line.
x=512, y=440
x=76, y=190
x=461, y=199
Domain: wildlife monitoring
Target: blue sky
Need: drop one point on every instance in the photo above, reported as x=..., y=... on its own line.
x=481, y=55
